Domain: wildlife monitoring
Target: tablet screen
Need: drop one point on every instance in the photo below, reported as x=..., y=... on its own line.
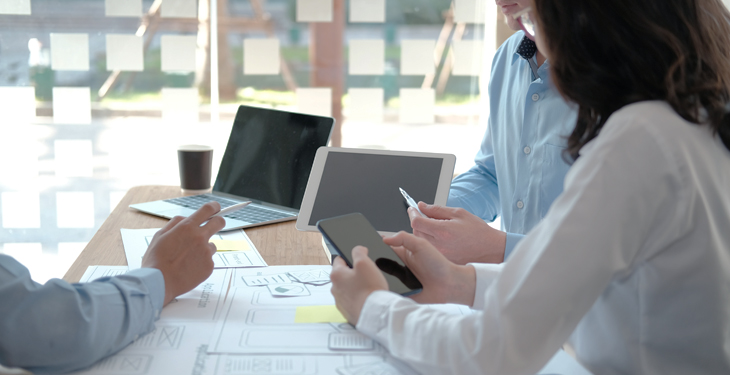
x=368, y=183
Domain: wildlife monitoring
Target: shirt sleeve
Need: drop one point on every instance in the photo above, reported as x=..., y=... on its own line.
x=592, y=233
x=60, y=327
x=476, y=190
x=511, y=243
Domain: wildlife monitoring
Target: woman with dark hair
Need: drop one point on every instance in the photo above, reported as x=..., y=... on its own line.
x=631, y=266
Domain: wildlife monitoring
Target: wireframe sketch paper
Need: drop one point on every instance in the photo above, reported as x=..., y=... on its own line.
x=171, y=348
x=136, y=242
x=204, y=303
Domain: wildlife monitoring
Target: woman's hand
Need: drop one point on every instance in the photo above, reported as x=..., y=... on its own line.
x=442, y=280
x=352, y=286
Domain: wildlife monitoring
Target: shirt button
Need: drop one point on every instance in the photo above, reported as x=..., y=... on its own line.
x=535, y=97
x=527, y=150
x=520, y=205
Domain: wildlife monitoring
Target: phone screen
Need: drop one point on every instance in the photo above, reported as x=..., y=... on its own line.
x=345, y=232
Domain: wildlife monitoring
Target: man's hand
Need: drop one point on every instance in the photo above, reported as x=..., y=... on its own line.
x=183, y=252
x=461, y=236
x=351, y=287
x=443, y=281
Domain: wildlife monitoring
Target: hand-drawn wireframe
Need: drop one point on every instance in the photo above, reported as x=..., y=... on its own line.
x=136, y=242
x=204, y=303
x=245, y=364
x=255, y=322
x=163, y=337
x=123, y=364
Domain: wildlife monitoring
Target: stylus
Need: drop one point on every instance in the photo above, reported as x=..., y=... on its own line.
x=230, y=209
x=411, y=202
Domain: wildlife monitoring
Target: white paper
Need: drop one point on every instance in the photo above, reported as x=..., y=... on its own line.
x=261, y=280
x=180, y=105
x=367, y=11
x=314, y=10
x=73, y=158
x=232, y=364
x=71, y=105
x=315, y=101
x=179, y=9
x=173, y=347
x=417, y=106
x=366, y=104
x=17, y=104
x=136, y=242
x=261, y=56
x=470, y=11
x=94, y=272
x=468, y=58
x=314, y=276
x=123, y=8
x=367, y=57
x=288, y=290
x=69, y=51
x=124, y=52
x=204, y=303
x=75, y=209
x=178, y=53
x=255, y=322
x=21, y=209
x=15, y=7
x=417, y=57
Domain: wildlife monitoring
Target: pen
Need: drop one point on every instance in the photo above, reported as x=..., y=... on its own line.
x=230, y=209
x=411, y=202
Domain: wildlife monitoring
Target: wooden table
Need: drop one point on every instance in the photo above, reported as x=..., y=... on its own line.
x=279, y=244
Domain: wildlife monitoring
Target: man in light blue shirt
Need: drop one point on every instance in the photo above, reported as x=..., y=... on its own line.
x=60, y=327
x=519, y=169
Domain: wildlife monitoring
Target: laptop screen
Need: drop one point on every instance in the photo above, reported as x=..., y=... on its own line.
x=270, y=154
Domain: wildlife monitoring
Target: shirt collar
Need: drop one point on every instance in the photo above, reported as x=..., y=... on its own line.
x=526, y=49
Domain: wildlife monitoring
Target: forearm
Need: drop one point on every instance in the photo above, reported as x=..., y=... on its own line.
x=59, y=327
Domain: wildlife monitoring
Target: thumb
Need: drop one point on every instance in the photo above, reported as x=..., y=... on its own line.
x=359, y=254
x=437, y=212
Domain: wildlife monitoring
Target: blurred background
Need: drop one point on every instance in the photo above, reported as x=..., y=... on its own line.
x=96, y=95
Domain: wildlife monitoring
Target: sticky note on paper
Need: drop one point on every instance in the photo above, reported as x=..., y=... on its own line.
x=228, y=245
x=319, y=314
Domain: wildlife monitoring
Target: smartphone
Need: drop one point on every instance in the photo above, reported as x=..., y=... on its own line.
x=345, y=232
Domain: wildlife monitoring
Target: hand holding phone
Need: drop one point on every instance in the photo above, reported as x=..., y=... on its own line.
x=345, y=232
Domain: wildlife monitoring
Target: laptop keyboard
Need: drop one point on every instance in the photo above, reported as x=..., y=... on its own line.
x=253, y=213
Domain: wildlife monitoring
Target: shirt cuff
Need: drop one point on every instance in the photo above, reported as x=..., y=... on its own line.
x=374, y=317
x=511, y=243
x=486, y=274
x=155, y=283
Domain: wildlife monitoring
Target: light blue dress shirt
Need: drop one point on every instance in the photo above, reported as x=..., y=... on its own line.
x=60, y=327
x=519, y=169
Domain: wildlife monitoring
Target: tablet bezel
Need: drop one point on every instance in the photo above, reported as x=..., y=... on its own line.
x=310, y=193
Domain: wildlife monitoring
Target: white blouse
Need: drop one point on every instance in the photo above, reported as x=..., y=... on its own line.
x=631, y=267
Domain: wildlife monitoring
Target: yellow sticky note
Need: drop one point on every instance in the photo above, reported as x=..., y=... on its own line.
x=226, y=245
x=319, y=314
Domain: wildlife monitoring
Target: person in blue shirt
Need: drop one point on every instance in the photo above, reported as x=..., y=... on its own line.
x=518, y=171
x=60, y=327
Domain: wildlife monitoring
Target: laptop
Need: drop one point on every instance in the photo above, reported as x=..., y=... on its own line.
x=267, y=161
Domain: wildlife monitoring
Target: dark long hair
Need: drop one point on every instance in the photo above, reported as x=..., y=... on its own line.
x=605, y=54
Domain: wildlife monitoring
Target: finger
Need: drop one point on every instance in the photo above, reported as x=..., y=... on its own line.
x=170, y=224
x=425, y=225
x=213, y=249
x=213, y=226
x=438, y=212
x=359, y=254
x=409, y=241
x=412, y=213
x=339, y=263
x=204, y=213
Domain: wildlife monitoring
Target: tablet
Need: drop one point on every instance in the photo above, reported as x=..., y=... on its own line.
x=347, y=180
